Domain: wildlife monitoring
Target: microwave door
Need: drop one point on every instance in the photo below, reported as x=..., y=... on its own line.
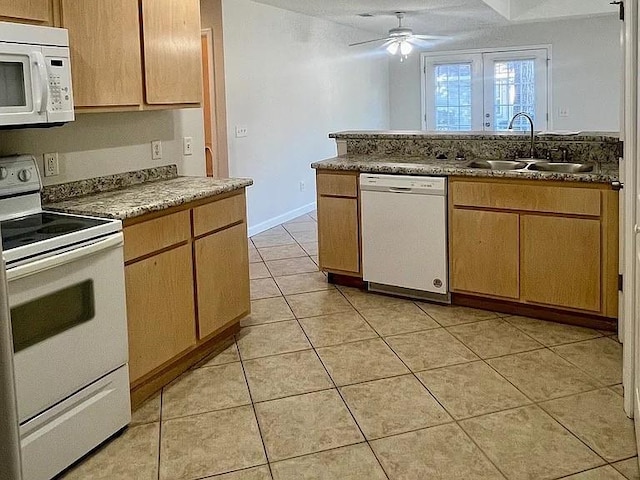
x=10, y=462
x=23, y=85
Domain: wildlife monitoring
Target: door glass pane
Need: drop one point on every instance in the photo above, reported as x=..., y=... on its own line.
x=12, y=93
x=52, y=314
x=453, y=96
x=514, y=91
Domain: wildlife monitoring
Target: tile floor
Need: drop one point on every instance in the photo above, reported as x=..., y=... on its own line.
x=330, y=383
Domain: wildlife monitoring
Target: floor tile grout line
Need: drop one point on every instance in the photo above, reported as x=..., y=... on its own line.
x=255, y=413
x=355, y=421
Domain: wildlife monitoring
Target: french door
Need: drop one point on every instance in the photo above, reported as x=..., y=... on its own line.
x=482, y=91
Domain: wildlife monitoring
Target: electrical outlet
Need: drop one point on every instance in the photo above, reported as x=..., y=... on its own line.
x=156, y=150
x=242, y=131
x=302, y=186
x=51, y=165
x=187, y=145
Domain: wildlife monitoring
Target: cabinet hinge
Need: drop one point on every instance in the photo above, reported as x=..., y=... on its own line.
x=620, y=283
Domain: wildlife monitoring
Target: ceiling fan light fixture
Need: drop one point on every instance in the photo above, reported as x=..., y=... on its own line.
x=393, y=48
x=405, y=48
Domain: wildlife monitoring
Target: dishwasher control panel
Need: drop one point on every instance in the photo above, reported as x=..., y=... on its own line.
x=403, y=184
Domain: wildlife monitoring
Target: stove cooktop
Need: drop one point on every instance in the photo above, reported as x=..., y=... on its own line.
x=43, y=226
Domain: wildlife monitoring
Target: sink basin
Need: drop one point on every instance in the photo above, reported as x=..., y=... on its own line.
x=561, y=167
x=497, y=164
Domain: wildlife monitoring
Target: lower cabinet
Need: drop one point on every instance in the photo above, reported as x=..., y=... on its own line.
x=484, y=255
x=547, y=244
x=222, y=278
x=561, y=262
x=187, y=283
x=338, y=222
x=160, y=309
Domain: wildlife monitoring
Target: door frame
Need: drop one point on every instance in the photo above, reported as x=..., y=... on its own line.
x=213, y=86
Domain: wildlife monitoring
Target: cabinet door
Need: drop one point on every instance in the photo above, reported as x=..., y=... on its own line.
x=36, y=11
x=561, y=262
x=222, y=278
x=485, y=253
x=338, y=234
x=105, y=52
x=172, y=51
x=160, y=309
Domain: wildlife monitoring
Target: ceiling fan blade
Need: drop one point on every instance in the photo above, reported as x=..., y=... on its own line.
x=368, y=41
x=431, y=37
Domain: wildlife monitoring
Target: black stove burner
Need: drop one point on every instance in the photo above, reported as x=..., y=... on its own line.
x=42, y=226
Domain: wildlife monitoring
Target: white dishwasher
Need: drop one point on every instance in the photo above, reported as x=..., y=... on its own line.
x=404, y=235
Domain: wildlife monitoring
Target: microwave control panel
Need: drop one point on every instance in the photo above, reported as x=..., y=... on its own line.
x=59, y=84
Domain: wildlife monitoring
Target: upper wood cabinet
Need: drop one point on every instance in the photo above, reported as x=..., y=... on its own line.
x=172, y=46
x=134, y=54
x=27, y=11
x=105, y=52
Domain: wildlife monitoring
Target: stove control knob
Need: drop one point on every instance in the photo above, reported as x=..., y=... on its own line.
x=24, y=175
x=3, y=173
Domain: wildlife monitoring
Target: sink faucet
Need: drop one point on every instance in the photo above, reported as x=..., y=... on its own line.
x=528, y=117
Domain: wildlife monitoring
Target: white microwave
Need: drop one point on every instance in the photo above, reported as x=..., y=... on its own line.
x=35, y=76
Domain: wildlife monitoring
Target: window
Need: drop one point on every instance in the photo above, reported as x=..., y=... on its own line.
x=482, y=91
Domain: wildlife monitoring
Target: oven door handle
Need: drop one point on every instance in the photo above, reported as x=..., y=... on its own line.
x=113, y=241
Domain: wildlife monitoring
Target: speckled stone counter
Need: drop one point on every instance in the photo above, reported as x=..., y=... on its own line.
x=146, y=197
x=594, y=147
x=419, y=165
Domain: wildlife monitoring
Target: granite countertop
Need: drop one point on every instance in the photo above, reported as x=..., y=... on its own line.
x=409, y=165
x=560, y=135
x=146, y=197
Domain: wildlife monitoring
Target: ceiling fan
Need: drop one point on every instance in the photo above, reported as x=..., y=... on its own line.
x=400, y=39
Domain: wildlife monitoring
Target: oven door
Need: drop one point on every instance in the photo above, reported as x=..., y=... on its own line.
x=24, y=85
x=68, y=317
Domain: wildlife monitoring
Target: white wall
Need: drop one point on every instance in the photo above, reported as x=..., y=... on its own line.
x=586, y=71
x=98, y=144
x=292, y=79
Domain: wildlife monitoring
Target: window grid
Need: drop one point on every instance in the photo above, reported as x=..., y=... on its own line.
x=453, y=97
x=514, y=92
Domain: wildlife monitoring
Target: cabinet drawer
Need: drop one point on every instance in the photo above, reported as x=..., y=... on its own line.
x=337, y=185
x=219, y=214
x=567, y=200
x=148, y=237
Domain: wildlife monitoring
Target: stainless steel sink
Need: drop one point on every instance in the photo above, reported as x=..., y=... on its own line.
x=497, y=164
x=561, y=167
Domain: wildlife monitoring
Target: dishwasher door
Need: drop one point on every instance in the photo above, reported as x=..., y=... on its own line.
x=404, y=234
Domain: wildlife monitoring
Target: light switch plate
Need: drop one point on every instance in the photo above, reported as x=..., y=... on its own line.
x=242, y=131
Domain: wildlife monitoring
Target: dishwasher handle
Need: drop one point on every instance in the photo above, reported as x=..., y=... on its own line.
x=401, y=189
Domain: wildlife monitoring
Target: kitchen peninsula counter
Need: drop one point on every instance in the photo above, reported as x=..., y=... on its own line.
x=394, y=164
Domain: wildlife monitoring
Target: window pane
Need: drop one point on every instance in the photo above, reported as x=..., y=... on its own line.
x=514, y=91
x=453, y=96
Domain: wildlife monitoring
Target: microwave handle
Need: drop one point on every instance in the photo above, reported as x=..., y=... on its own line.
x=112, y=241
x=41, y=101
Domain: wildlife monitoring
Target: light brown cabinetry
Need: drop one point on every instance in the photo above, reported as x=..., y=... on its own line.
x=485, y=255
x=134, y=54
x=160, y=309
x=105, y=52
x=27, y=11
x=561, y=262
x=338, y=223
x=548, y=244
x=172, y=59
x=185, y=291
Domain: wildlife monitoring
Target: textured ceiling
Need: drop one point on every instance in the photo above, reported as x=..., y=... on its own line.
x=432, y=17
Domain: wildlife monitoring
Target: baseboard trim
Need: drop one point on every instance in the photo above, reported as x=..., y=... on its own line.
x=275, y=221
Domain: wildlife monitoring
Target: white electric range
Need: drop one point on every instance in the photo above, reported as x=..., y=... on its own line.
x=65, y=278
